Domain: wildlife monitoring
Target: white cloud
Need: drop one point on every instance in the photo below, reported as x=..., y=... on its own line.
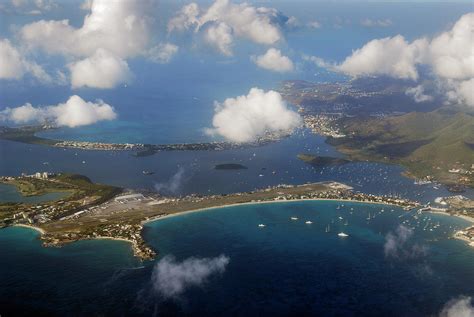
x=34, y=7
x=101, y=70
x=374, y=23
x=121, y=27
x=274, y=61
x=245, y=118
x=292, y=22
x=171, y=279
x=173, y=185
x=224, y=20
x=458, y=307
x=162, y=53
x=418, y=94
x=388, y=56
x=73, y=113
x=110, y=33
x=398, y=245
x=314, y=24
x=13, y=65
x=452, y=53
x=450, y=56
x=185, y=18
x=220, y=36
x=318, y=61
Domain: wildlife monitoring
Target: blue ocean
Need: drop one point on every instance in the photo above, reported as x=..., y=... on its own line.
x=392, y=263
x=287, y=267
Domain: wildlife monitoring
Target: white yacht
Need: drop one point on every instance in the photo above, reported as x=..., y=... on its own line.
x=308, y=222
x=342, y=234
x=261, y=225
x=294, y=218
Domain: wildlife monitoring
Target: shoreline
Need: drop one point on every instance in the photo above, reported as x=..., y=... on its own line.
x=464, y=217
x=38, y=229
x=136, y=248
x=157, y=218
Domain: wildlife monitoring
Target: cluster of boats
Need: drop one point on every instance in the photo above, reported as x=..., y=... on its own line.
x=309, y=222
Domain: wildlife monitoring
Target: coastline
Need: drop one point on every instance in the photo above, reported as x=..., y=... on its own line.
x=157, y=218
x=137, y=249
x=38, y=229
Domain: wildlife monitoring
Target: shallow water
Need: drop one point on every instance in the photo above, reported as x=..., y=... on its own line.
x=9, y=193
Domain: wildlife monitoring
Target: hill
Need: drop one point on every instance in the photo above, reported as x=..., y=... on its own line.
x=435, y=144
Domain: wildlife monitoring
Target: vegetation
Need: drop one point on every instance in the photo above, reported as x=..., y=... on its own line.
x=428, y=144
x=321, y=161
x=82, y=194
x=25, y=135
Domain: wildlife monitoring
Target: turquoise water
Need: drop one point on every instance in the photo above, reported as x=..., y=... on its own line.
x=9, y=193
x=285, y=267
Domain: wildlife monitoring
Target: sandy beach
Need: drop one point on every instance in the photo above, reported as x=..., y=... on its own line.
x=262, y=202
x=31, y=227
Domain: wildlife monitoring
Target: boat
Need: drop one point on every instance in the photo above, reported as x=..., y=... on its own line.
x=328, y=228
x=261, y=225
x=148, y=173
x=294, y=218
x=340, y=218
x=342, y=234
x=308, y=222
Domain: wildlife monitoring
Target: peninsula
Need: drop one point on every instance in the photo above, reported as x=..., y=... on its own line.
x=27, y=134
x=100, y=211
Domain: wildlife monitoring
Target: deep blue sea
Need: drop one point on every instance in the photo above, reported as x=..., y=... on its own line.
x=282, y=269
x=285, y=268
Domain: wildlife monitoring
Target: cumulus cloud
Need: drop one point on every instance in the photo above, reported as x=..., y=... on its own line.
x=101, y=70
x=220, y=36
x=398, y=245
x=245, y=118
x=73, y=113
x=13, y=65
x=450, y=56
x=224, y=20
x=274, y=61
x=418, y=94
x=121, y=27
x=110, y=33
x=162, y=53
x=458, y=307
x=392, y=56
x=374, y=23
x=171, y=278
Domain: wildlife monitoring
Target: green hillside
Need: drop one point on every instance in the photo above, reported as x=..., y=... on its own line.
x=429, y=144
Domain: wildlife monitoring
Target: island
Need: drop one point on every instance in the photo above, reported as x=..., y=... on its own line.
x=322, y=161
x=27, y=134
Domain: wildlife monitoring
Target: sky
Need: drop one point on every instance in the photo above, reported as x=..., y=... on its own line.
x=82, y=51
